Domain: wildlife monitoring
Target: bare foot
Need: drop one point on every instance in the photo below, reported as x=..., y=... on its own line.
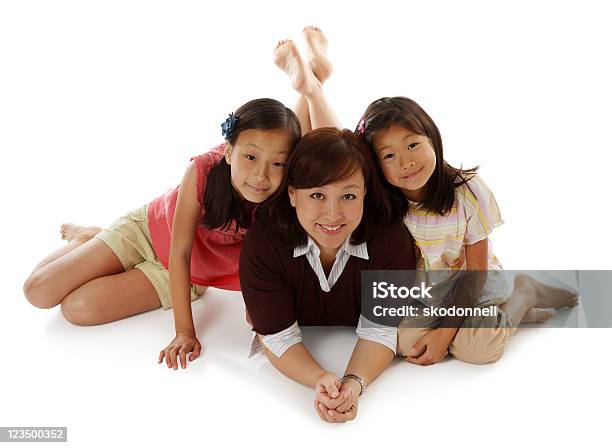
x=547, y=296
x=316, y=47
x=70, y=231
x=288, y=59
x=537, y=316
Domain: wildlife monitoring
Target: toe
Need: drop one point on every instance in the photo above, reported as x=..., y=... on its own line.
x=64, y=231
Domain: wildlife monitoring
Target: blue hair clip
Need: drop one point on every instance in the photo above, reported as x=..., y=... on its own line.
x=229, y=125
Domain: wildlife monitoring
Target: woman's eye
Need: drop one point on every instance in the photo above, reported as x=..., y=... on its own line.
x=349, y=196
x=249, y=157
x=387, y=156
x=317, y=196
x=412, y=145
x=279, y=164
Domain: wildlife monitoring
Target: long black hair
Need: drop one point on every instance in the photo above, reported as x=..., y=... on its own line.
x=404, y=112
x=324, y=156
x=222, y=204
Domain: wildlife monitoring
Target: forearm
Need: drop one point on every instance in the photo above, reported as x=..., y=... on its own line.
x=469, y=286
x=180, y=292
x=369, y=359
x=465, y=295
x=298, y=364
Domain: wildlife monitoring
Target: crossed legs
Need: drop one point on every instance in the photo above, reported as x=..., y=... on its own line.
x=312, y=107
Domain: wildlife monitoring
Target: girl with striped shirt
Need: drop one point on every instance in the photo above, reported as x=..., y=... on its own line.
x=451, y=214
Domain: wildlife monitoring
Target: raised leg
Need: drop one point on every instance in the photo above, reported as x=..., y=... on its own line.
x=301, y=110
x=312, y=107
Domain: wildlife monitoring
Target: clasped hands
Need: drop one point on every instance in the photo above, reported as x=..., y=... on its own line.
x=336, y=402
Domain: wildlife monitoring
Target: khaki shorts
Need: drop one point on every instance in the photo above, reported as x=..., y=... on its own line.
x=478, y=341
x=129, y=238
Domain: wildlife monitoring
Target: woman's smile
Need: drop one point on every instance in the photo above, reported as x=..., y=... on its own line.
x=330, y=213
x=330, y=230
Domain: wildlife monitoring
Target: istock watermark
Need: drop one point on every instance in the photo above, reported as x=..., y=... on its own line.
x=576, y=299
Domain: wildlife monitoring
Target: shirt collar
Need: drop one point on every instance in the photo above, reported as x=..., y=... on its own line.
x=356, y=250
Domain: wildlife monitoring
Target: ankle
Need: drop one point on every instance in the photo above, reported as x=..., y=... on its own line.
x=314, y=92
x=528, y=294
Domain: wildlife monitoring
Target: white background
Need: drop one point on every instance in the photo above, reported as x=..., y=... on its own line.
x=103, y=103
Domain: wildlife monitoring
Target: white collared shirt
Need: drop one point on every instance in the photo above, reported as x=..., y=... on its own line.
x=279, y=342
x=313, y=255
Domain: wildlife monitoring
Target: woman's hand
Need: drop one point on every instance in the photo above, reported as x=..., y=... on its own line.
x=181, y=345
x=336, y=402
x=432, y=347
x=347, y=410
x=327, y=390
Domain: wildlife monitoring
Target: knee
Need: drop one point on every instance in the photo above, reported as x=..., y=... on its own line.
x=38, y=291
x=480, y=345
x=479, y=356
x=77, y=311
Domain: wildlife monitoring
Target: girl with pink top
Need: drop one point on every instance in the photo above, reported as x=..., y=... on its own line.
x=190, y=237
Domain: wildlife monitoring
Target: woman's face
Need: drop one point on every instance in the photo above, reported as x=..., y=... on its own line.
x=257, y=161
x=406, y=159
x=330, y=214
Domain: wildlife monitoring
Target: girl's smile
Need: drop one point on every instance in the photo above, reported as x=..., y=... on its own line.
x=257, y=190
x=413, y=174
x=257, y=161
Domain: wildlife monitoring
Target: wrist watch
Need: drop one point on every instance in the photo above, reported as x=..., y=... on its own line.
x=351, y=376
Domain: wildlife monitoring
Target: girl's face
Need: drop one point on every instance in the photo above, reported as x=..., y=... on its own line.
x=257, y=162
x=407, y=160
x=330, y=214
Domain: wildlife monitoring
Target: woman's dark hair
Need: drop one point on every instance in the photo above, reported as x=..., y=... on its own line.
x=325, y=156
x=402, y=111
x=222, y=204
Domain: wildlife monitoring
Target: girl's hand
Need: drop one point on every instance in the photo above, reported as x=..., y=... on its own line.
x=181, y=345
x=432, y=347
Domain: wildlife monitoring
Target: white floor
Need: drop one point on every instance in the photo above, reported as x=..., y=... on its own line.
x=104, y=384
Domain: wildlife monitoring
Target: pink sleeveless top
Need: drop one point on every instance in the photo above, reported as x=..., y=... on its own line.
x=215, y=253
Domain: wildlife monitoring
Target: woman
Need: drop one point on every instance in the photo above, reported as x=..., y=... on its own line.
x=301, y=264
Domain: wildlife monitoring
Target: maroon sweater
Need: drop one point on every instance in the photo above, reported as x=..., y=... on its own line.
x=279, y=290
